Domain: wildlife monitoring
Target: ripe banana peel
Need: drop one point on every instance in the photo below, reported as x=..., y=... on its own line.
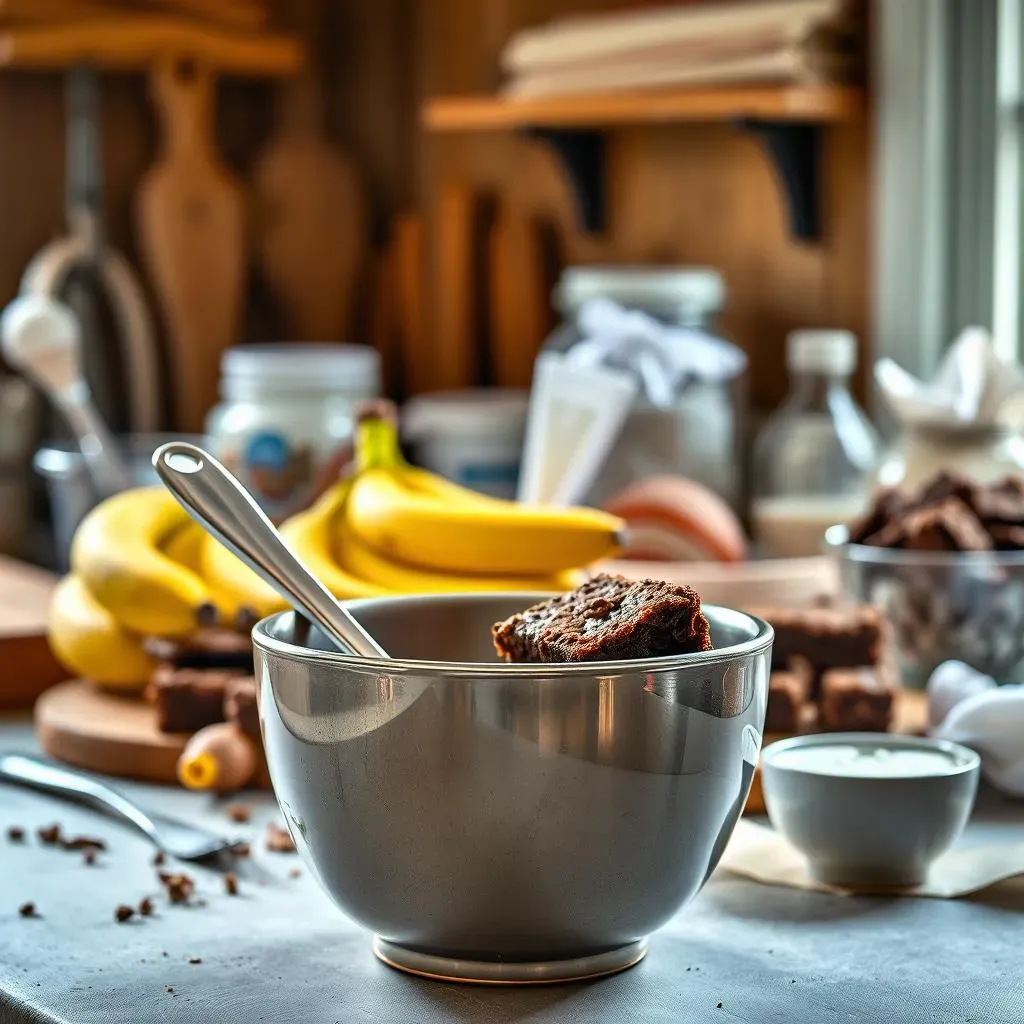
x=117, y=553
x=90, y=642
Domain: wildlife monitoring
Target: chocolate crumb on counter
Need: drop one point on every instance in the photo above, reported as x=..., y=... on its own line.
x=159, y=859
x=856, y=700
x=195, y=959
x=146, y=907
x=15, y=834
x=50, y=835
x=241, y=850
x=178, y=885
x=123, y=913
x=82, y=843
x=89, y=855
x=168, y=988
x=606, y=619
x=28, y=910
x=240, y=813
x=295, y=873
x=231, y=883
x=279, y=840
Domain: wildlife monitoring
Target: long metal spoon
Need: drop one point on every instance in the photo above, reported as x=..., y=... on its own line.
x=224, y=508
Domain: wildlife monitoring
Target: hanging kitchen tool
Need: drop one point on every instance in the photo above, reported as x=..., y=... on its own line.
x=82, y=268
x=311, y=212
x=191, y=222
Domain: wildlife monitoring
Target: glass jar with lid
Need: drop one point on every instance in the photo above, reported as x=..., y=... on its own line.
x=698, y=434
x=814, y=456
x=285, y=423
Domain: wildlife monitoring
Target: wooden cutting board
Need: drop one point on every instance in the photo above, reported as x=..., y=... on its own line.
x=107, y=732
x=191, y=214
x=27, y=666
x=311, y=213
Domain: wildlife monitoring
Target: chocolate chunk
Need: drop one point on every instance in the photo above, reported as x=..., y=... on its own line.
x=50, y=835
x=28, y=910
x=124, y=913
x=188, y=699
x=240, y=813
x=606, y=619
x=195, y=959
x=1006, y=537
x=179, y=886
x=145, y=906
x=89, y=855
x=231, y=883
x=159, y=858
x=856, y=700
x=295, y=873
x=240, y=707
x=886, y=505
x=16, y=834
x=241, y=850
x=204, y=649
x=946, y=485
x=789, y=690
x=948, y=526
x=82, y=843
x=279, y=840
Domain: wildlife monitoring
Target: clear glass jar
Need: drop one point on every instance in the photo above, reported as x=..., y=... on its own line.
x=285, y=424
x=701, y=435
x=983, y=452
x=813, y=459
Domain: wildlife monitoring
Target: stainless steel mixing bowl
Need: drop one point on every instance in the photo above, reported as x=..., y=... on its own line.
x=498, y=822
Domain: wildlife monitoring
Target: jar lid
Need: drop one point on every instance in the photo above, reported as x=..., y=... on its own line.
x=821, y=351
x=351, y=368
x=671, y=292
x=474, y=411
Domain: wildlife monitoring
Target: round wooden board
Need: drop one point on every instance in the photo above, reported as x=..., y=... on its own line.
x=106, y=732
x=910, y=718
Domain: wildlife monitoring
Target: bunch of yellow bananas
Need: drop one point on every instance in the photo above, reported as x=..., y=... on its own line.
x=141, y=567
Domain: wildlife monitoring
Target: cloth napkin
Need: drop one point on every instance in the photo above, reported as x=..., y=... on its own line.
x=663, y=359
x=972, y=386
x=968, y=707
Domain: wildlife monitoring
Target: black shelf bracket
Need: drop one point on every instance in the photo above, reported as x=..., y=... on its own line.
x=583, y=156
x=795, y=152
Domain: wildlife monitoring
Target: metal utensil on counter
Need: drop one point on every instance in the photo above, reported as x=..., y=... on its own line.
x=224, y=508
x=40, y=337
x=176, y=838
x=84, y=254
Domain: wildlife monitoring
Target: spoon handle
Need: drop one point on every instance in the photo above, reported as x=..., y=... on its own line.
x=225, y=509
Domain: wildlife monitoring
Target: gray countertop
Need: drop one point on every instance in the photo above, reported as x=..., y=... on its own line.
x=280, y=952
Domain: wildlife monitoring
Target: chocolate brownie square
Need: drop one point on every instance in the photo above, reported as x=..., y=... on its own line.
x=188, y=699
x=1007, y=536
x=946, y=485
x=856, y=700
x=206, y=648
x=832, y=637
x=887, y=504
x=606, y=619
x=789, y=690
x=947, y=526
x=240, y=705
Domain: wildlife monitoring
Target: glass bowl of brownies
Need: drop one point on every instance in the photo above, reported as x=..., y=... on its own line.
x=945, y=564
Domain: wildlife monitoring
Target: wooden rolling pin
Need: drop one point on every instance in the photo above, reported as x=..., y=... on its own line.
x=192, y=232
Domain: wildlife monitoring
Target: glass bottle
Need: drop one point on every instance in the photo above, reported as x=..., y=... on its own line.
x=814, y=456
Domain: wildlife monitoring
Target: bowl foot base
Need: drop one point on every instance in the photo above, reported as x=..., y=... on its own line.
x=502, y=972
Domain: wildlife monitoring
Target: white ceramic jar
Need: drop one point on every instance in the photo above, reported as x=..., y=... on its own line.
x=285, y=423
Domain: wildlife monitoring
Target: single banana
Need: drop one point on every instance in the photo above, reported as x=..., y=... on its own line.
x=510, y=539
x=116, y=551
x=408, y=518
x=361, y=560
x=90, y=642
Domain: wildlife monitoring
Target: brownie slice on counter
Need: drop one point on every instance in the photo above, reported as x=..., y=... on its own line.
x=856, y=700
x=947, y=526
x=843, y=636
x=206, y=648
x=789, y=694
x=188, y=699
x=608, y=618
x=240, y=706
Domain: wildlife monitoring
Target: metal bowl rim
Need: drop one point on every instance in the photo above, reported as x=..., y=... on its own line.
x=758, y=644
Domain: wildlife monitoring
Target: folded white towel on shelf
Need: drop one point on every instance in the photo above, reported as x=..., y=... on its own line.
x=968, y=707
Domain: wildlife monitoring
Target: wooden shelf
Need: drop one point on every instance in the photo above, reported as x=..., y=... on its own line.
x=811, y=104
x=135, y=43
